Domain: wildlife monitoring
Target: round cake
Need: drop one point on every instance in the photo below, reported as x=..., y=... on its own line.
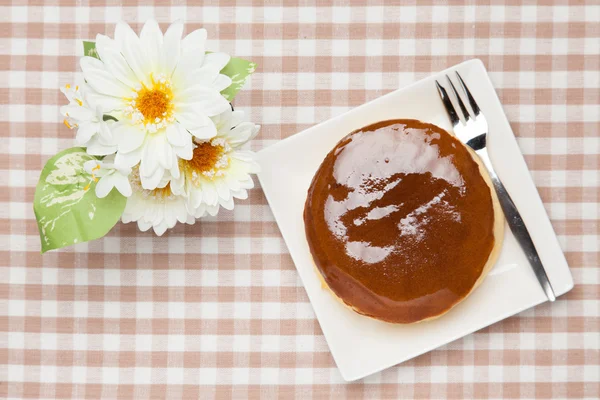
x=402, y=221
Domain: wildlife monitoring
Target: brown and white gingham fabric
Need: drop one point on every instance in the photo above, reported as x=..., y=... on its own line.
x=216, y=310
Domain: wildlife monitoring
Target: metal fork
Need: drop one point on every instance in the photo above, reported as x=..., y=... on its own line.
x=473, y=132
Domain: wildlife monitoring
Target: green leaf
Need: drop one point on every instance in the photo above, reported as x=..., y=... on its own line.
x=65, y=203
x=238, y=70
x=89, y=49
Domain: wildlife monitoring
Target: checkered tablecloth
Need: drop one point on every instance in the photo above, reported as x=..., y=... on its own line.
x=216, y=310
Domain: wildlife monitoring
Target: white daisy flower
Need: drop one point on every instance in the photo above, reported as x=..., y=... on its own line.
x=219, y=170
x=162, y=89
x=159, y=209
x=81, y=113
x=108, y=176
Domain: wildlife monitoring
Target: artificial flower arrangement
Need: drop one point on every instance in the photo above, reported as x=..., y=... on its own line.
x=158, y=140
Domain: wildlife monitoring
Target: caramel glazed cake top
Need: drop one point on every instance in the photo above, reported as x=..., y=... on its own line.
x=400, y=221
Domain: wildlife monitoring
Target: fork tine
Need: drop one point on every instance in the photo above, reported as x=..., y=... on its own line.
x=460, y=102
x=448, y=104
x=472, y=102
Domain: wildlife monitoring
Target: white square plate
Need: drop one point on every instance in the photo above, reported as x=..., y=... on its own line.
x=360, y=345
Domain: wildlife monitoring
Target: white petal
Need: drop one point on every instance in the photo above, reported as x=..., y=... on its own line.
x=185, y=152
x=241, y=134
x=195, y=198
x=113, y=60
x=85, y=132
x=122, y=184
x=247, y=183
x=127, y=215
x=181, y=140
x=159, y=215
x=237, y=170
x=222, y=120
x=212, y=209
x=222, y=82
x=69, y=92
x=200, y=211
x=130, y=137
x=174, y=170
x=128, y=160
x=101, y=80
x=195, y=75
x=90, y=165
x=164, y=181
x=181, y=213
x=157, y=152
x=144, y=225
x=241, y=168
x=177, y=185
x=126, y=218
x=166, y=153
x=170, y=216
x=236, y=117
x=105, y=185
x=78, y=113
x=151, y=213
x=241, y=194
x=96, y=148
x=189, y=218
x=227, y=204
x=248, y=159
x=191, y=57
x=106, y=103
x=155, y=213
x=161, y=151
x=195, y=122
x=151, y=39
x=223, y=190
x=140, y=209
x=195, y=41
x=171, y=213
x=209, y=193
x=177, y=135
x=132, y=208
x=232, y=183
x=105, y=134
x=160, y=228
x=149, y=163
x=132, y=51
x=204, y=132
x=171, y=46
x=220, y=60
x=202, y=100
x=151, y=182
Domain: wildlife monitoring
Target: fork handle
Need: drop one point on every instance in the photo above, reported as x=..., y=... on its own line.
x=517, y=226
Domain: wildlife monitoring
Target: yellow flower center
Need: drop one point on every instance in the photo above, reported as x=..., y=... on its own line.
x=205, y=157
x=159, y=194
x=209, y=160
x=162, y=193
x=152, y=106
x=153, y=103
